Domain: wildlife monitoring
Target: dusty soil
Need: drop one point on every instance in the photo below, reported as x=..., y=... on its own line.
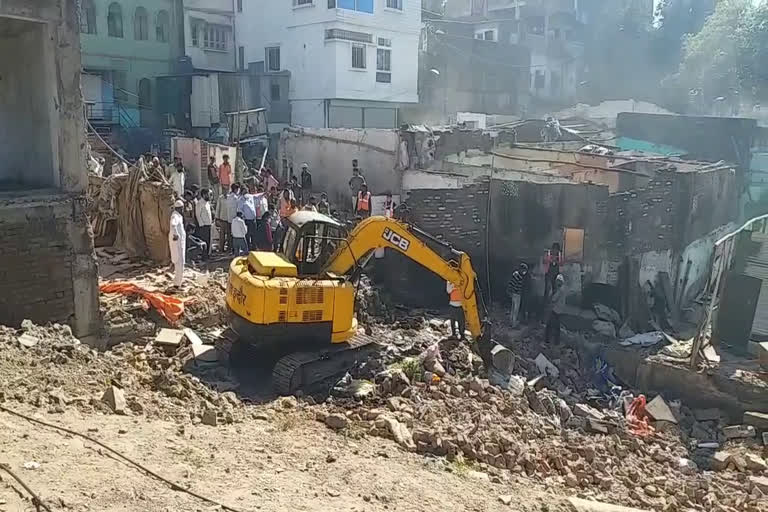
x=287, y=462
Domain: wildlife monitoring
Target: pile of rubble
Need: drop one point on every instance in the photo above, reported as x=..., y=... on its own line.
x=49, y=368
x=128, y=318
x=432, y=398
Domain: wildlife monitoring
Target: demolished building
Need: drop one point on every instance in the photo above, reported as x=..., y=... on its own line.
x=49, y=267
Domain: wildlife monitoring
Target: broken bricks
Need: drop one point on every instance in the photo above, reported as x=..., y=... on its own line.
x=115, y=399
x=739, y=432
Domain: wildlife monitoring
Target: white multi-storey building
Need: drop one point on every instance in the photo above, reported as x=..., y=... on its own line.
x=352, y=62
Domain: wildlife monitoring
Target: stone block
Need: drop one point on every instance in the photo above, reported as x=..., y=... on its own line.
x=169, y=338
x=739, y=432
x=659, y=410
x=759, y=420
x=115, y=399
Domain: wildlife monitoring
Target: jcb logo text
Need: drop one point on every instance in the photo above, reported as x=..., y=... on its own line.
x=396, y=240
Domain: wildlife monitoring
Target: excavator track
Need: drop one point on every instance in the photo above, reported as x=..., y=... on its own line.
x=304, y=371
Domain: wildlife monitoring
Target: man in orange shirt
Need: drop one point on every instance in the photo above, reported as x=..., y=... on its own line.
x=455, y=302
x=225, y=175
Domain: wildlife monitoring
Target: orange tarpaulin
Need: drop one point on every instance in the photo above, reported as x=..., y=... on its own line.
x=171, y=308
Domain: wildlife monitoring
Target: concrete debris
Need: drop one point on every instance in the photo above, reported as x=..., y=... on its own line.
x=192, y=336
x=759, y=420
x=659, y=410
x=209, y=418
x=606, y=313
x=336, y=421
x=759, y=482
x=169, y=338
x=755, y=462
x=720, y=460
x=115, y=399
x=586, y=411
x=546, y=367
x=27, y=340
x=765, y=438
x=762, y=354
x=205, y=353
x=31, y=465
x=506, y=499
x=604, y=328
x=739, y=432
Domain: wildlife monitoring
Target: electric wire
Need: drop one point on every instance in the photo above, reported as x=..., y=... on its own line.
x=36, y=501
x=174, y=486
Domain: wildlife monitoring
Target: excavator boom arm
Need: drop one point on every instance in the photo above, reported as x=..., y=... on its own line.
x=377, y=232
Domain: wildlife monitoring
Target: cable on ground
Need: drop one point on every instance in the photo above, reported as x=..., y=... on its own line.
x=36, y=501
x=174, y=486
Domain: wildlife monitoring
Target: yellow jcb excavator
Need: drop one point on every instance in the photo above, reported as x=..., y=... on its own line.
x=298, y=304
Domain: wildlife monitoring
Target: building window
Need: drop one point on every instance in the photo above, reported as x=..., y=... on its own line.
x=115, y=20
x=140, y=24
x=347, y=35
x=162, y=30
x=87, y=17
x=196, y=33
x=331, y=4
x=356, y=5
x=239, y=5
x=273, y=58
x=274, y=91
x=395, y=4
x=539, y=79
x=358, y=56
x=297, y=3
x=573, y=249
x=241, y=57
x=486, y=35
x=214, y=37
x=384, y=65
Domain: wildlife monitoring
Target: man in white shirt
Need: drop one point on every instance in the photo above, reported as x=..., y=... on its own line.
x=204, y=219
x=177, y=241
x=226, y=208
x=178, y=177
x=239, y=231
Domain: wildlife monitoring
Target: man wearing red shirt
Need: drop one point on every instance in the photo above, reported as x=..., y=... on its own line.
x=225, y=175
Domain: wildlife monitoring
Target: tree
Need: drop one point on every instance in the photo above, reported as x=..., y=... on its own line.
x=725, y=61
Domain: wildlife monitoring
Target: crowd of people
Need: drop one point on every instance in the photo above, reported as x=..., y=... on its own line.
x=246, y=216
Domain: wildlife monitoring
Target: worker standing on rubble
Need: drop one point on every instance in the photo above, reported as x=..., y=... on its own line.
x=324, y=206
x=239, y=232
x=364, y=202
x=515, y=292
x=356, y=182
x=247, y=204
x=557, y=307
x=553, y=260
x=226, y=208
x=306, y=182
x=213, y=177
x=455, y=300
x=204, y=220
x=177, y=241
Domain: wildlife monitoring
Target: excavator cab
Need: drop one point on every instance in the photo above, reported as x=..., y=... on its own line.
x=309, y=240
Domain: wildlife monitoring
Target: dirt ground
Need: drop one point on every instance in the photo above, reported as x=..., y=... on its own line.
x=288, y=462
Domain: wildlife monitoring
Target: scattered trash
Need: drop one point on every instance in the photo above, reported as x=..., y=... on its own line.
x=27, y=340
x=646, y=339
x=31, y=465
